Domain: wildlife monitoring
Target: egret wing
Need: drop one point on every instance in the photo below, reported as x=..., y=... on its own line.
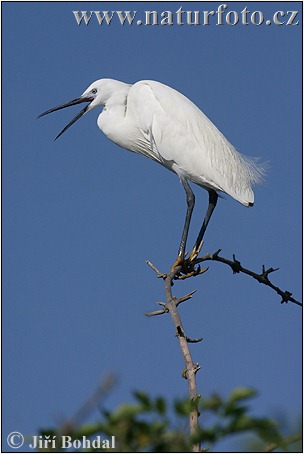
x=183, y=139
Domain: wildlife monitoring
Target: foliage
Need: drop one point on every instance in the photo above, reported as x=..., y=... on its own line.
x=149, y=425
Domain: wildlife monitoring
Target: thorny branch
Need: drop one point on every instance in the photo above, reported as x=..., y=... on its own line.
x=184, y=271
x=263, y=278
x=191, y=369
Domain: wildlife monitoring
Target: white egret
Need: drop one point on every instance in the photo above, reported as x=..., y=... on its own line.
x=156, y=121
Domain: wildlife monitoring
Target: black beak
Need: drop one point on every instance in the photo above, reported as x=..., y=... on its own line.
x=68, y=104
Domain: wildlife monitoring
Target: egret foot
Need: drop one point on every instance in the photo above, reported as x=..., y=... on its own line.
x=191, y=271
x=180, y=261
x=187, y=265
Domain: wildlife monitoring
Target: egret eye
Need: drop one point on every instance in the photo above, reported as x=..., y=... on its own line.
x=94, y=91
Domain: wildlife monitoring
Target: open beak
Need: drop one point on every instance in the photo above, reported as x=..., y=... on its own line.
x=68, y=104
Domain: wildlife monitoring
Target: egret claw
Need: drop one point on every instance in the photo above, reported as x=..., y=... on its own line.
x=187, y=265
x=194, y=272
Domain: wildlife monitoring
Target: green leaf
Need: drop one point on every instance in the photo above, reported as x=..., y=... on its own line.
x=125, y=411
x=241, y=393
x=184, y=407
x=214, y=403
x=143, y=398
x=160, y=405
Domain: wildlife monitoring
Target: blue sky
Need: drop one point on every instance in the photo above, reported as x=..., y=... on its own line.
x=81, y=215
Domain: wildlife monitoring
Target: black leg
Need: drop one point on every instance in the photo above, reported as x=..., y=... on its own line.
x=212, y=203
x=190, y=205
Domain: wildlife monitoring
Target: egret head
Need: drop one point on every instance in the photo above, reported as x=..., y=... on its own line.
x=92, y=95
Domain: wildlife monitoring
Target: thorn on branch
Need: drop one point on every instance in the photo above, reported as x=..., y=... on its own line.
x=214, y=256
x=197, y=367
x=185, y=298
x=180, y=333
x=193, y=341
x=159, y=274
x=266, y=272
x=236, y=265
x=286, y=296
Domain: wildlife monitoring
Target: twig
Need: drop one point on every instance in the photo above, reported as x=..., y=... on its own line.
x=159, y=274
x=159, y=312
x=262, y=278
x=178, y=301
x=185, y=298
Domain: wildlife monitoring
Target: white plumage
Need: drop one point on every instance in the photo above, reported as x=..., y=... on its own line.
x=157, y=121
x=160, y=123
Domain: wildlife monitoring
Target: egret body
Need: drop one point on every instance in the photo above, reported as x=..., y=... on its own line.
x=154, y=120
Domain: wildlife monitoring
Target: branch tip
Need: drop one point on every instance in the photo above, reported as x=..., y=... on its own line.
x=185, y=298
x=266, y=272
x=159, y=312
x=216, y=253
x=159, y=274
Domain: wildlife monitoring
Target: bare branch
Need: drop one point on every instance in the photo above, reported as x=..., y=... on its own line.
x=185, y=270
x=236, y=267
